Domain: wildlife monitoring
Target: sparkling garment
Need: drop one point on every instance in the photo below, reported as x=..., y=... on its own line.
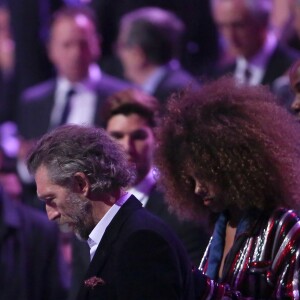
x=268, y=241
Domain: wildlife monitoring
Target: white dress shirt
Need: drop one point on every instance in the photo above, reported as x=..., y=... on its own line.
x=83, y=102
x=142, y=190
x=99, y=230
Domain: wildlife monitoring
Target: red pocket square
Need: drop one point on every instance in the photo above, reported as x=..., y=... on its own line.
x=93, y=281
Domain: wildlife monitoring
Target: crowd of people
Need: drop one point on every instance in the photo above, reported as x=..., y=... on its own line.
x=167, y=156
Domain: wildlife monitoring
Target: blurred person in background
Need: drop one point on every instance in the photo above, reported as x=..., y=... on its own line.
x=32, y=266
x=149, y=45
x=24, y=29
x=258, y=57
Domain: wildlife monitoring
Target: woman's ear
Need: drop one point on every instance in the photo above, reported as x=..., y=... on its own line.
x=81, y=184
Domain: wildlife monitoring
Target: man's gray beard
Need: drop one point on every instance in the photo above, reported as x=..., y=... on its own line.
x=81, y=239
x=83, y=213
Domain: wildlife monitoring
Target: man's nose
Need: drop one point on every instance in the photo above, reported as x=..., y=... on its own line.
x=52, y=213
x=127, y=143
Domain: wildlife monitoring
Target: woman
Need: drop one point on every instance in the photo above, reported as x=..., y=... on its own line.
x=230, y=150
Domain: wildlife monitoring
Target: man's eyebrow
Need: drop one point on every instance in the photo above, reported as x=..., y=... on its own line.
x=44, y=197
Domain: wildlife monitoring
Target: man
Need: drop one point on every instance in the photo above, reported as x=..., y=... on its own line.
x=130, y=118
x=23, y=60
x=31, y=262
x=245, y=28
x=79, y=89
x=228, y=150
x=149, y=43
x=81, y=174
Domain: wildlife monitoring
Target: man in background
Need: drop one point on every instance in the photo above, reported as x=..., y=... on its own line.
x=258, y=58
x=149, y=45
x=130, y=117
x=32, y=267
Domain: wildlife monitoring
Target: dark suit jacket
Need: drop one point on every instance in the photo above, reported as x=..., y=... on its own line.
x=175, y=80
x=139, y=258
x=37, y=102
x=278, y=64
x=194, y=237
x=30, y=262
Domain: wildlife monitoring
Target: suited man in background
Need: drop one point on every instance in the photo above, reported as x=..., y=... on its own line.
x=245, y=29
x=32, y=267
x=81, y=174
x=78, y=91
x=24, y=28
x=73, y=49
x=130, y=117
x=149, y=46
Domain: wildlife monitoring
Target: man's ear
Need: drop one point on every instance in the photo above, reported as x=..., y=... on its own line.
x=81, y=184
x=140, y=56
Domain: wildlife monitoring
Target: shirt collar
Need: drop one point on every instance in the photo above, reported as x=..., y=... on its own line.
x=98, y=232
x=92, y=80
x=142, y=190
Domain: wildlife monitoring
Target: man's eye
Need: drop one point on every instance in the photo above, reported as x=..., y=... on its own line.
x=48, y=201
x=117, y=135
x=139, y=135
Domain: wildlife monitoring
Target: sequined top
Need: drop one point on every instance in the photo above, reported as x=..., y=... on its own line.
x=263, y=263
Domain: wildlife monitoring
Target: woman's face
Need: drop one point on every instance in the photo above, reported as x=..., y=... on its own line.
x=207, y=192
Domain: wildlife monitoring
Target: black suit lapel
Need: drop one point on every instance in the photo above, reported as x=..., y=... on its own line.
x=273, y=64
x=111, y=234
x=99, y=107
x=49, y=101
x=155, y=203
x=279, y=63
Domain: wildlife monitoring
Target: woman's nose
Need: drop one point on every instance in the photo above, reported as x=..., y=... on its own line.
x=200, y=189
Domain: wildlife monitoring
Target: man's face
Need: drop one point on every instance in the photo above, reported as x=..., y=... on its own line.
x=136, y=137
x=65, y=206
x=73, y=47
x=240, y=30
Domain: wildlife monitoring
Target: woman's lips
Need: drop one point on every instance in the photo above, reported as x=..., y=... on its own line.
x=207, y=201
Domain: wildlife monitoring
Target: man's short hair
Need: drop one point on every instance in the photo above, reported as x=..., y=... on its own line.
x=131, y=101
x=157, y=31
x=72, y=148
